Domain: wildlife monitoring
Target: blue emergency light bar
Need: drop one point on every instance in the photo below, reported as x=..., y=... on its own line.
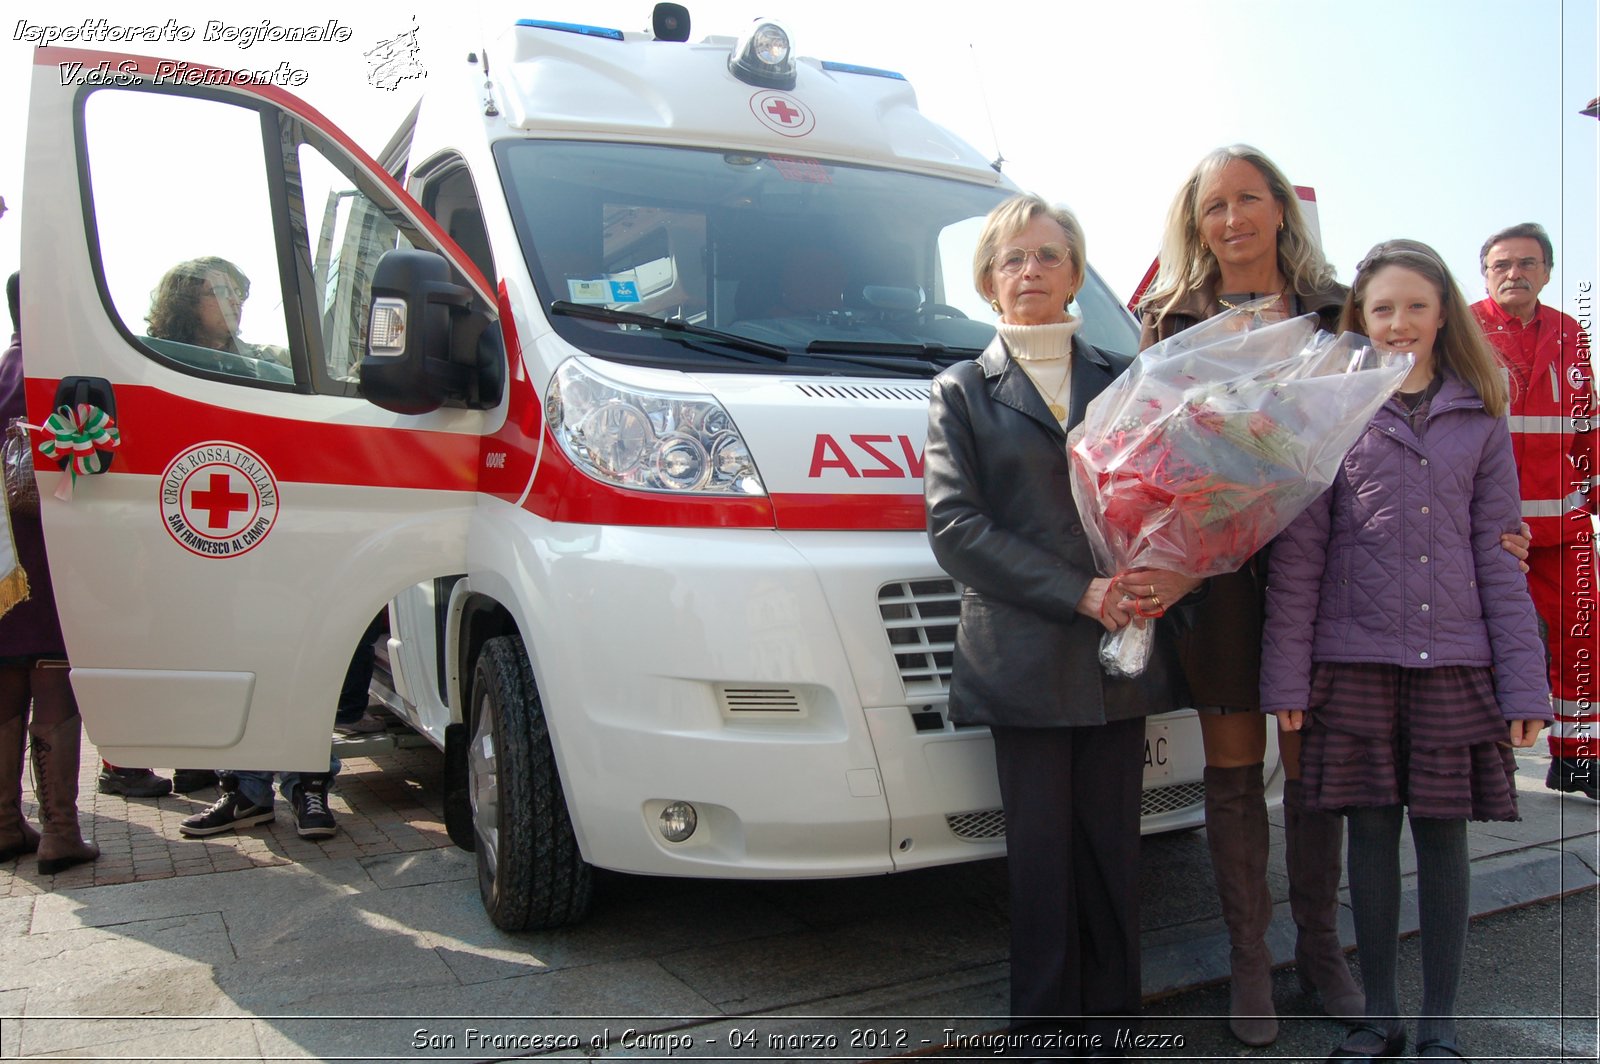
x=572, y=27
x=871, y=72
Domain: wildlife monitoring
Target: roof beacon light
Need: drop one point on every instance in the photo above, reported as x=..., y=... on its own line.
x=764, y=57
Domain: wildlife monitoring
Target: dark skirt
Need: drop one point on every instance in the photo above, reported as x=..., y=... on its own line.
x=1431, y=739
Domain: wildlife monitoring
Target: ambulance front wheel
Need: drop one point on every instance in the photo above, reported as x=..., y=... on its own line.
x=530, y=872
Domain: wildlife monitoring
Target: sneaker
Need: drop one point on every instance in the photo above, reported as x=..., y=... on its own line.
x=228, y=813
x=132, y=782
x=312, y=818
x=366, y=724
x=189, y=780
x=1570, y=775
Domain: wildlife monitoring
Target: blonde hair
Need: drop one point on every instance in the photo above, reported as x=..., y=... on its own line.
x=1460, y=347
x=1011, y=218
x=1186, y=262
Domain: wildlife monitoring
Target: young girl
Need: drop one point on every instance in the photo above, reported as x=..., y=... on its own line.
x=1402, y=640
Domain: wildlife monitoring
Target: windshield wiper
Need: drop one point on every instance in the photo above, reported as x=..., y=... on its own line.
x=775, y=352
x=927, y=351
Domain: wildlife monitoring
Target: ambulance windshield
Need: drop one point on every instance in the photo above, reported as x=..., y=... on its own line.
x=792, y=252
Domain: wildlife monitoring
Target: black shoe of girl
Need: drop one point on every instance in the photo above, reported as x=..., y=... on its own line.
x=1367, y=1042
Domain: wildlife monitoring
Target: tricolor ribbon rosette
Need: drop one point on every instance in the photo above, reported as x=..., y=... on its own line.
x=1213, y=441
x=76, y=437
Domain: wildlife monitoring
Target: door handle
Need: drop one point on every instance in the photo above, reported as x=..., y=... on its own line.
x=95, y=391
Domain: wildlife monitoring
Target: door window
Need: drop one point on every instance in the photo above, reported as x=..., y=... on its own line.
x=186, y=246
x=189, y=239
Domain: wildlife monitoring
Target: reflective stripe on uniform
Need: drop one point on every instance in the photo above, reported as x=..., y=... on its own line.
x=1573, y=729
x=1555, y=507
x=1555, y=424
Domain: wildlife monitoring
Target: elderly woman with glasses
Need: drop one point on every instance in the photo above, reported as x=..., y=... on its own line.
x=1068, y=739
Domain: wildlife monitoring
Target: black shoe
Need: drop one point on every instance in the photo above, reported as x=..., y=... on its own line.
x=312, y=819
x=228, y=813
x=1367, y=1042
x=189, y=780
x=132, y=782
x=1566, y=774
x=1439, y=1049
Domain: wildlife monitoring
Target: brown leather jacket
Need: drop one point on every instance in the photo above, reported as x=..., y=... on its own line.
x=1002, y=522
x=1220, y=645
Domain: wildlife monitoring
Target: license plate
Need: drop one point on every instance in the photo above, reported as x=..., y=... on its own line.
x=1157, y=751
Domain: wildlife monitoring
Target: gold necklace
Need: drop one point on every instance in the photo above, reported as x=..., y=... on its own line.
x=1057, y=411
x=1234, y=306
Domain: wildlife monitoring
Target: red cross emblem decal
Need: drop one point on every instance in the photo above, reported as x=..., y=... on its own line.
x=782, y=113
x=218, y=501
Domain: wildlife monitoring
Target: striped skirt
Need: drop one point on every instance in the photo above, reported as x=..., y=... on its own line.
x=1431, y=739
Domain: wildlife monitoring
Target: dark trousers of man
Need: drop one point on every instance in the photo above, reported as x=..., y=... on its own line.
x=1071, y=798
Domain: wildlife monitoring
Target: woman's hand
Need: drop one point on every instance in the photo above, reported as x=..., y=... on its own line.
x=1151, y=592
x=1525, y=732
x=1114, y=614
x=1291, y=719
x=1516, y=544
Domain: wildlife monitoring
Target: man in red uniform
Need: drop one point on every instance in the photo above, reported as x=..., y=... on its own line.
x=1551, y=429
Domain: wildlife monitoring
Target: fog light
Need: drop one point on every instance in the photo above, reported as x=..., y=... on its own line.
x=678, y=821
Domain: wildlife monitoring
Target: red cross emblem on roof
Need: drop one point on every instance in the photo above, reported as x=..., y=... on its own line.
x=782, y=113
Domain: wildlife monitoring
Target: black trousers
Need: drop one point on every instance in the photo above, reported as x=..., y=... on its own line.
x=1071, y=798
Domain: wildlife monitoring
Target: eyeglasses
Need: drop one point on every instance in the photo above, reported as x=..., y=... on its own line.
x=228, y=292
x=1012, y=260
x=1525, y=265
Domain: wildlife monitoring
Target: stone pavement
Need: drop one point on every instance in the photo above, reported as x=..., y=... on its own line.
x=382, y=809
x=373, y=945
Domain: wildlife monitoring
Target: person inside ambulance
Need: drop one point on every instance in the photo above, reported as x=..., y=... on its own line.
x=199, y=305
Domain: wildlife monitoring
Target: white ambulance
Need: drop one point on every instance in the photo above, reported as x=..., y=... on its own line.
x=618, y=408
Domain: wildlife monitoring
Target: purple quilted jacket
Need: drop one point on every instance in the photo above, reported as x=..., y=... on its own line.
x=1400, y=561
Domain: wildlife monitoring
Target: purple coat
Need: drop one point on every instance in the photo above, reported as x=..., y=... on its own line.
x=31, y=628
x=1399, y=562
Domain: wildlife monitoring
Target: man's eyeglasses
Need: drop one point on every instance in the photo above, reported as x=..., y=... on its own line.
x=1012, y=260
x=1500, y=266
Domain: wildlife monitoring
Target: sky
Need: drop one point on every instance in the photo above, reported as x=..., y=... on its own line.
x=1439, y=120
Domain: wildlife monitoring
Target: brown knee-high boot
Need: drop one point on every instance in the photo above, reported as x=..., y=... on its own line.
x=1312, y=841
x=1236, y=831
x=55, y=768
x=17, y=836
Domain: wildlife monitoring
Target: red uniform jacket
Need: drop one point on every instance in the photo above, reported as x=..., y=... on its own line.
x=1552, y=417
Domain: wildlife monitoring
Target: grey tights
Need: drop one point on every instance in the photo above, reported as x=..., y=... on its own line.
x=1442, y=887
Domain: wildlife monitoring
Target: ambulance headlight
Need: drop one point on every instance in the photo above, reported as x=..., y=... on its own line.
x=764, y=56
x=648, y=440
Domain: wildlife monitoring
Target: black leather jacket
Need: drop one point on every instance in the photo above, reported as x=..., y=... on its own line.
x=1002, y=522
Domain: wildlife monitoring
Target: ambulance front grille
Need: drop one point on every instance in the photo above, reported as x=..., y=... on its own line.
x=759, y=700
x=920, y=618
x=987, y=824
x=910, y=393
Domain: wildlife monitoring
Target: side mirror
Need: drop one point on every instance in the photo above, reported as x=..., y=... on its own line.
x=427, y=344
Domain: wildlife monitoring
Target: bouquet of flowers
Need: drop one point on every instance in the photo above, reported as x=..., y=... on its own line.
x=1213, y=441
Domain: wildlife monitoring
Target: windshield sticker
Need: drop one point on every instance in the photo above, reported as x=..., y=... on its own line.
x=783, y=113
x=796, y=169
x=218, y=500
x=603, y=291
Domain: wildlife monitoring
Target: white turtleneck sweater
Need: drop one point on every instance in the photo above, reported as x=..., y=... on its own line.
x=1044, y=353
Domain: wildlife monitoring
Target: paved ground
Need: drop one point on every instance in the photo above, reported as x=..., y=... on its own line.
x=386, y=801
x=373, y=944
